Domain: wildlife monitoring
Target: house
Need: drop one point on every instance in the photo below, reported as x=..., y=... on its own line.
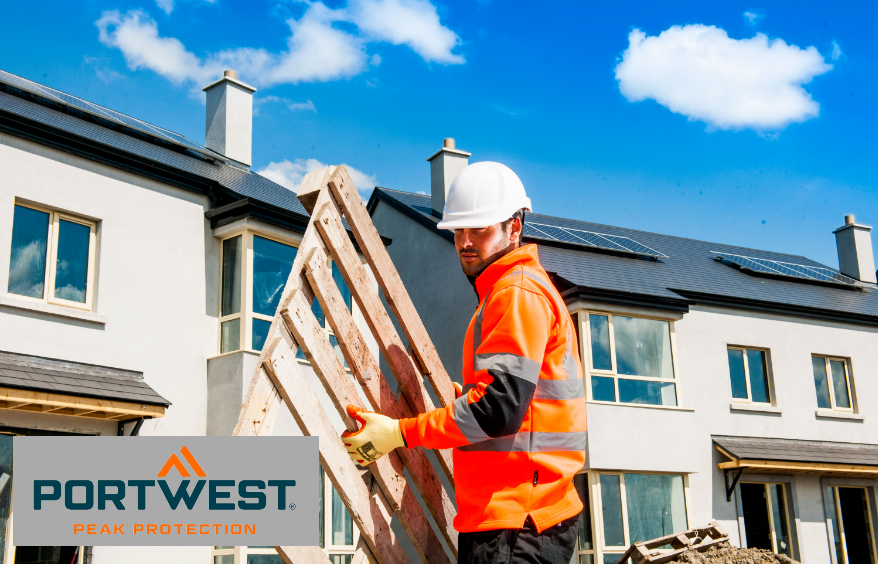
x=140, y=272
x=722, y=383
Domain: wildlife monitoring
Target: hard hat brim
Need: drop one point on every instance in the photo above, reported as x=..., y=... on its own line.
x=479, y=220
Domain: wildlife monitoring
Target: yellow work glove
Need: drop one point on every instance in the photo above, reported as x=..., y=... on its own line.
x=377, y=436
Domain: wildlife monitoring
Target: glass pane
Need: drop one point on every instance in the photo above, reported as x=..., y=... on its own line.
x=736, y=370
x=758, y=377
x=839, y=384
x=612, y=558
x=643, y=347
x=231, y=283
x=342, y=287
x=656, y=505
x=335, y=347
x=342, y=524
x=320, y=527
x=5, y=488
x=611, y=509
x=586, y=559
x=264, y=559
x=599, y=327
x=230, y=335
x=603, y=389
x=71, y=264
x=260, y=333
x=223, y=547
x=585, y=542
x=832, y=515
x=272, y=262
x=341, y=558
x=224, y=559
x=645, y=391
x=819, y=364
x=27, y=262
x=779, y=516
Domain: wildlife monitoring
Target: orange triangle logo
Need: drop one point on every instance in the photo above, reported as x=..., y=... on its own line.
x=174, y=462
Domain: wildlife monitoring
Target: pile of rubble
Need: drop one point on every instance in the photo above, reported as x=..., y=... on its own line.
x=725, y=553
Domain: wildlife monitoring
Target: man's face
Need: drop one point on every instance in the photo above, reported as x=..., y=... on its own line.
x=477, y=248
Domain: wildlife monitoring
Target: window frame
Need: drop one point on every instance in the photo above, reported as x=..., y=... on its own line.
x=771, y=524
x=769, y=375
x=593, y=551
x=49, y=276
x=585, y=353
x=827, y=359
x=835, y=505
x=596, y=503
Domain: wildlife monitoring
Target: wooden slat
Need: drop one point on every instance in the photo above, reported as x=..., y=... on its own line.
x=302, y=555
x=41, y=401
x=328, y=220
x=378, y=392
x=388, y=278
x=388, y=470
x=795, y=467
x=362, y=555
x=370, y=512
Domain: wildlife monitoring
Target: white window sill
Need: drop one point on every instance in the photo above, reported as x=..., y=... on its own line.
x=9, y=300
x=756, y=407
x=830, y=414
x=643, y=405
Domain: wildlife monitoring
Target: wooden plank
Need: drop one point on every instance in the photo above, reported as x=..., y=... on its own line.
x=378, y=392
x=778, y=465
x=388, y=470
x=327, y=217
x=302, y=555
x=39, y=400
x=362, y=555
x=370, y=243
x=371, y=513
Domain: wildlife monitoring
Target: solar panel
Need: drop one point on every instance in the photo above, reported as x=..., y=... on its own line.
x=792, y=270
x=587, y=239
x=101, y=112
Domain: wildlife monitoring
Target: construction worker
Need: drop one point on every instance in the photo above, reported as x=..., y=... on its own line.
x=518, y=425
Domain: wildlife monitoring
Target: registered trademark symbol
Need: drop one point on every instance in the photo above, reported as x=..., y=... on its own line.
x=292, y=506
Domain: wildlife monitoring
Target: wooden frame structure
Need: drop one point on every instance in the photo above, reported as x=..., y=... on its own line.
x=375, y=496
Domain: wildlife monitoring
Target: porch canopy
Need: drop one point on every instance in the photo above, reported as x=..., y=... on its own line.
x=45, y=385
x=786, y=456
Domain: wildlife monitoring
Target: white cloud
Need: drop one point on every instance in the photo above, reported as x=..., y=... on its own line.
x=308, y=105
x=167, y=6
x=317, y=50
x=375, y=60
x=752, y=16
x=700, y=72
x=289, y=174
x=407, y=22
x=836, y=51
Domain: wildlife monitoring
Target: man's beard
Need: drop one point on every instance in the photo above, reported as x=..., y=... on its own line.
x=474, y=269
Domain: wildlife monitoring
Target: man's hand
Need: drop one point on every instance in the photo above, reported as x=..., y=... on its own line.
x=377, y=436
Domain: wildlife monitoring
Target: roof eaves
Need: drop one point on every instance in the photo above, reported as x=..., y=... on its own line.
x=381, y=194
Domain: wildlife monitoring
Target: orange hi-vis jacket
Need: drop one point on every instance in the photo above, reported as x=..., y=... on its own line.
x=518, y=431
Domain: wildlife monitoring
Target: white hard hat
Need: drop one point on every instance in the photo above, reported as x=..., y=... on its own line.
x=483, y=194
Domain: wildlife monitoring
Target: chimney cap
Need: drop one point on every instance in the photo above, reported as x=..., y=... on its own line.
x=448, y=147
x=229, y=76
x=849, y=219
x=448, y=143
x=230, y=73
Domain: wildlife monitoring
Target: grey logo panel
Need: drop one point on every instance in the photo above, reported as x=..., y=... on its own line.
x=165, y=491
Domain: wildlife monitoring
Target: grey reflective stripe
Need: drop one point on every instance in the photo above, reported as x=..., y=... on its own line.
x=569, y=361
x=531, y=442
x=466, y=421
x=559, y=389
x=512, y=364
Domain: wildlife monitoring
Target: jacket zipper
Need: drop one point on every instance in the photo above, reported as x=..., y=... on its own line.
x=536, y=476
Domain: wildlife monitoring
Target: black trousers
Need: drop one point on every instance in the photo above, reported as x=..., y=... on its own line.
x=555, y=545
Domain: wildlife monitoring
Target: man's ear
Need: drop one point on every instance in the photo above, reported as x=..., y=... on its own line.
x=515, y=231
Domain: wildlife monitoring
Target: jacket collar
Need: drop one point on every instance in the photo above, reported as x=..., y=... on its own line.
x=526, y=255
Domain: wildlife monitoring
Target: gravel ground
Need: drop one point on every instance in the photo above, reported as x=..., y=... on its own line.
x=727, y=554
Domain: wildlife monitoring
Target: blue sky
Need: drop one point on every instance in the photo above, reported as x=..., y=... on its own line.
x=607, y=111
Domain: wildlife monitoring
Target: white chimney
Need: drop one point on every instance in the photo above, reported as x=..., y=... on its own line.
x=854, y=244
x=229, y=129
x=445, y=165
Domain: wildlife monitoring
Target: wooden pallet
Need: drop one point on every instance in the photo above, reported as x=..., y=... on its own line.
x=375, y=496
x=645, y=552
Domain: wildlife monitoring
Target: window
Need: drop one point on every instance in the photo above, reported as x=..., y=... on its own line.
x=584, y=544
x=321, y=317
x=833, y=383
x=337, y=535
x=52, y=258
x=847, y=510
x=630, y=359
x=254, y=273
x=766, y=526
x=639, y=507
x=749, y=374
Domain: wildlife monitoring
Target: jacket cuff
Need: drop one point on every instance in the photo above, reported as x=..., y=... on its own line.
x=409, y=429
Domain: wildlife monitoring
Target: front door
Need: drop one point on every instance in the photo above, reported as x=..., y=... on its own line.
x=852, y=525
